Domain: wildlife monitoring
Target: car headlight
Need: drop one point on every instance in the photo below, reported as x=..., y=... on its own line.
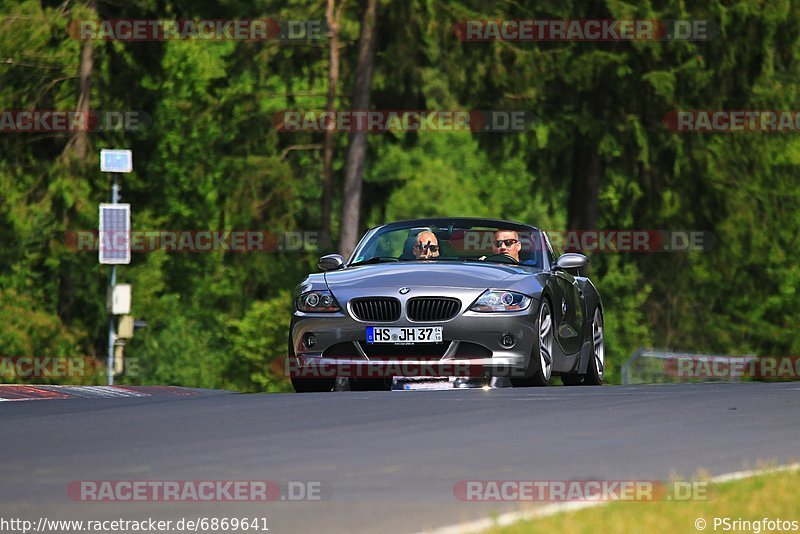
x=317, y=301
x=494, y=300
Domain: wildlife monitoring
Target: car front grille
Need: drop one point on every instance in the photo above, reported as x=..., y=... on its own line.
x=432, y=308
x=376, y=309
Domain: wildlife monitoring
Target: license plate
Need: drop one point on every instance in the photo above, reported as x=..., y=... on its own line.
x=404, y=334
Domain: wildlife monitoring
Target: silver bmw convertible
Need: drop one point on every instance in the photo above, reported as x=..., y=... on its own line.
x=463, y=297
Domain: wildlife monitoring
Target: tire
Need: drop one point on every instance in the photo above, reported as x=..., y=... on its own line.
x=540, y=363
x=597, y=363
x=371, y=384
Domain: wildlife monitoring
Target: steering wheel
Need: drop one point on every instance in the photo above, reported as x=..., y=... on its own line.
x=501, y=258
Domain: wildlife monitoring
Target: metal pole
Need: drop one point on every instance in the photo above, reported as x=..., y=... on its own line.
x=111, y=336
x=110, y=362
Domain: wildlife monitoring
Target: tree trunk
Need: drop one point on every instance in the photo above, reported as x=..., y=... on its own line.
x=77, y=147
x=354, y=170
x=79, y=142
x=333, y=81
x=582, y=206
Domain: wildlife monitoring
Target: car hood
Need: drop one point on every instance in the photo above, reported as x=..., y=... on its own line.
x=423, y=274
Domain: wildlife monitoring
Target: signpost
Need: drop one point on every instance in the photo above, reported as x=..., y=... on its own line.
x=114, y=234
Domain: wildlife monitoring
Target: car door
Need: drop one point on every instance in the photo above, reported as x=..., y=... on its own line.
x=568, y=303
x=568, y=312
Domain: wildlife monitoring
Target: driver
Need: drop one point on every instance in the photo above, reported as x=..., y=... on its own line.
x=426, y=246
x=507, y=242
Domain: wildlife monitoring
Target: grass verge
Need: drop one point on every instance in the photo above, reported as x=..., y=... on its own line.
x=772, y=496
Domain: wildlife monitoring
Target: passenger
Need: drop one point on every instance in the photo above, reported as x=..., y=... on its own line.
x=427, y=246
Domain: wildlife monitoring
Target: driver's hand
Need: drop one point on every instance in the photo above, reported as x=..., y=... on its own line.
x=482, y=258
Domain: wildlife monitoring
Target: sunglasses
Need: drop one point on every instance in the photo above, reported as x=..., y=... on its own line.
x=507, y=242
x=432, y=248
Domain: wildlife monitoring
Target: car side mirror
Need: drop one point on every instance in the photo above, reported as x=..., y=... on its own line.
x=330, y=262
x=572, y=260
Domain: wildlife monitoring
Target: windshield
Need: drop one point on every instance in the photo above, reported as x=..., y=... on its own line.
x=451, y=241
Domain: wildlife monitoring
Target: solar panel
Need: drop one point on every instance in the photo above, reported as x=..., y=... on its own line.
x=114, y=237
x=116, y=160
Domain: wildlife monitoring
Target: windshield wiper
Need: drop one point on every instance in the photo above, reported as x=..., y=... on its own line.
x=376, y=259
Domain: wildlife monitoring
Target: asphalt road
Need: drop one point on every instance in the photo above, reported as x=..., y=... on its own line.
x=386, y=461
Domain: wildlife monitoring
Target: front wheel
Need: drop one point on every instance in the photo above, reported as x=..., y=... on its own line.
x=540, y=363
x=597, y=364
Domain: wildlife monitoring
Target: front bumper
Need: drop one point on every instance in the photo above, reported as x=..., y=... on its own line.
x=472, y=346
